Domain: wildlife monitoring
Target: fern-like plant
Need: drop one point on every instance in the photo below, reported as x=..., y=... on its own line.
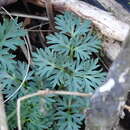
x=66, y=64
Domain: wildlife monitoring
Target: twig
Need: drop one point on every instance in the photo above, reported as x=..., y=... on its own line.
x=101, y=60
x=50, y=14
x=25, y=50
x=29, y=45
x=39, y=30
x=38, y=26
x=26, y=16
x=45, y=92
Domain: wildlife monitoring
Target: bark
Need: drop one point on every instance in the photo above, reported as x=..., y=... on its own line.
x=108, y=101
x=3, y=123
x=6, y=2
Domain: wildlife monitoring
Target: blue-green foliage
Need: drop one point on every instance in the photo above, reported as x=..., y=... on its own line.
x=68, y=60
x=73, y=74
x=12, y=73
x=66, y=64
x=14, y=78
x=10, y=33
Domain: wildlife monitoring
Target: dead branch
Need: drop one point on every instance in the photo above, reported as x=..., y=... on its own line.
x=41, y=18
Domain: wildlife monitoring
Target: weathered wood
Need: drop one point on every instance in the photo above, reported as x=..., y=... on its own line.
x=117, y=10
x=108, y=101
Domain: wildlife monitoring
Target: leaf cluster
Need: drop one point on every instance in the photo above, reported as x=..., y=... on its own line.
x=10, y=33
x=68, y=61
x=66, y=64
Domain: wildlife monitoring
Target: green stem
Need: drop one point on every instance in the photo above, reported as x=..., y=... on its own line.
x=69, y=103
